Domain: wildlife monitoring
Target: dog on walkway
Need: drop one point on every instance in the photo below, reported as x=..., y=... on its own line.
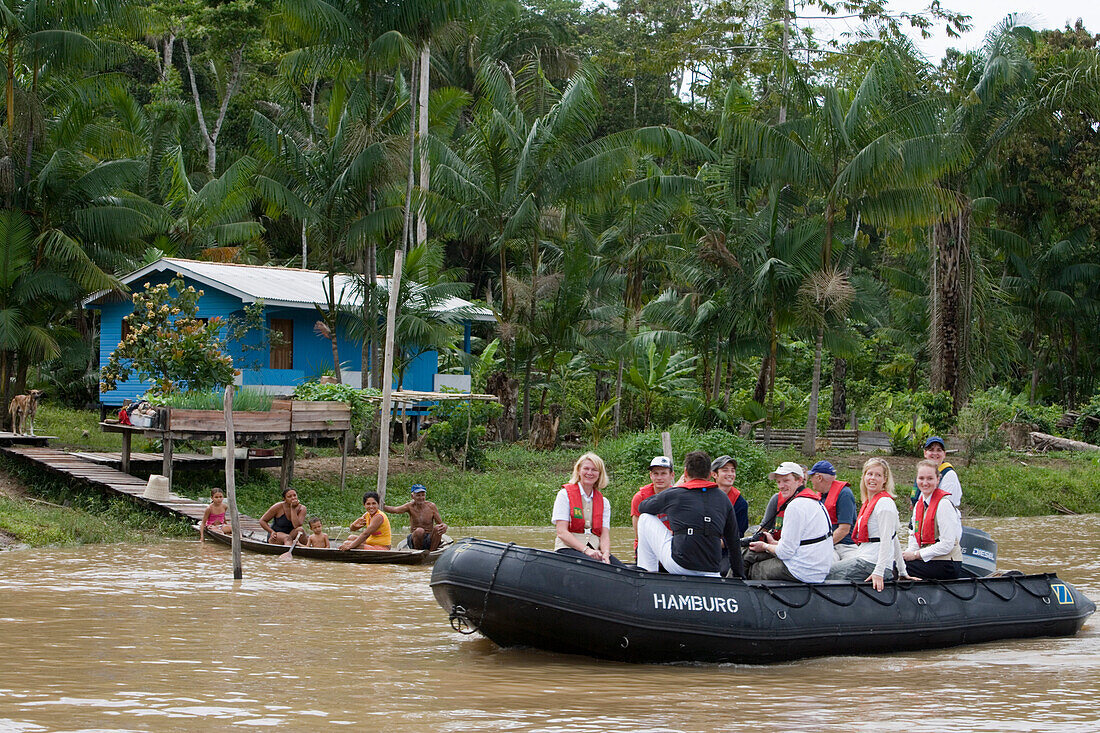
x=22, y=409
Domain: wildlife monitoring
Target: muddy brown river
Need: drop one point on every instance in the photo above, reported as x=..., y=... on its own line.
x=161, y=638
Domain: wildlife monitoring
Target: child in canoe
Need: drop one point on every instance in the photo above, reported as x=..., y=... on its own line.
x=214, y=517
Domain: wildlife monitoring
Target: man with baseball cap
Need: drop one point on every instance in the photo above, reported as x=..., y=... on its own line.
x=661, y=477
x=723, y=471
x=426, y=526
x=936, y=450
x=839, y=503
x=800, y=543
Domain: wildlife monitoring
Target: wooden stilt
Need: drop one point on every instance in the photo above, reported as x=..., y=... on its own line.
x=166, y=466
x=286, y=471
x=126, y=452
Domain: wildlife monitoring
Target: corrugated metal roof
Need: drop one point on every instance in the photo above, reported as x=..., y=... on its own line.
x=279, y=286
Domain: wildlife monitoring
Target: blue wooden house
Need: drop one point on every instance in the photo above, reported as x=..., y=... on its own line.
x=290, y=297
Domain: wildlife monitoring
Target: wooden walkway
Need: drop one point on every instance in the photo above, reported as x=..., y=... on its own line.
x=112, y=481
x=7, y=438
x=154, y=461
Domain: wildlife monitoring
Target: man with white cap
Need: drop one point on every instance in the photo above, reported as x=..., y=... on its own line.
x=661, y=477
x=800, y=543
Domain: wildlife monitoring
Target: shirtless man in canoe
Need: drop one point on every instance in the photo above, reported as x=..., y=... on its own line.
x=426, y=527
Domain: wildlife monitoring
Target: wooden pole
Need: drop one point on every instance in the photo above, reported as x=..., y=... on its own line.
x=666, y=445
x=231, y=481
x=387, y=376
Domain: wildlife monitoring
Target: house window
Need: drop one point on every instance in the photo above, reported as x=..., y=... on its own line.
x=282, y=353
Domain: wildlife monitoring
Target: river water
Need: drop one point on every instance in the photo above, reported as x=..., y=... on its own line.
x=160, y=638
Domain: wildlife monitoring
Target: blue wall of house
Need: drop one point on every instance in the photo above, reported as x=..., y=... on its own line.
x=311, y=353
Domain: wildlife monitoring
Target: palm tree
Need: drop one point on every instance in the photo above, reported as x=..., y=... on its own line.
x=322, y=174
x=870, y=154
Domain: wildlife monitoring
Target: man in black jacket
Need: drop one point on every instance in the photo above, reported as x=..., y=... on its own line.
x=700, y=516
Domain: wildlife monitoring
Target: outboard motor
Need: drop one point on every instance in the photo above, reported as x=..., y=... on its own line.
x=979, y=552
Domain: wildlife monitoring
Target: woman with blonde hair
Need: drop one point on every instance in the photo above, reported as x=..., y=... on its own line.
x=582, y=515
x=878, y=548
x=933, y=551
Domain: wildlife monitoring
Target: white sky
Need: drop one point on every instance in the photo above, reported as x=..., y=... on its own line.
x=987, y=13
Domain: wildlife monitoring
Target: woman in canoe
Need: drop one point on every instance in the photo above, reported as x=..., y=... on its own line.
x=375, y=525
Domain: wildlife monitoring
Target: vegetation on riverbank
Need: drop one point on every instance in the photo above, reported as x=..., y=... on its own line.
x=518, y=489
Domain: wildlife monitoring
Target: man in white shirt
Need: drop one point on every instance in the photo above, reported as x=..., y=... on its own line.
x=802, y=550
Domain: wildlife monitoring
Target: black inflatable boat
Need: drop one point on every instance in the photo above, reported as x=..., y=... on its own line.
x=518, y=596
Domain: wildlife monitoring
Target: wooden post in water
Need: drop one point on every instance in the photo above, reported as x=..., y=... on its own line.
x=231, y=481
x=666, y=444
x=387, y=376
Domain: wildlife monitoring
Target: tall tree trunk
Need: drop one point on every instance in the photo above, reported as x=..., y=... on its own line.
x=783, y=60
x=527, y=395
x=406, y=231
x=618, y=397
x=952, y=288
x=210, y=135
x=425, y=78
x=809, y=439
x=838, y=415
x=305, y=247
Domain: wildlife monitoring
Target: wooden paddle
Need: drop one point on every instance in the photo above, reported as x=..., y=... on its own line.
x=287, y=555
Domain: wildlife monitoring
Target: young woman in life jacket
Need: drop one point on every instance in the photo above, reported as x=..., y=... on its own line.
x=582, y=515
x=876, y=530
x=933, y=552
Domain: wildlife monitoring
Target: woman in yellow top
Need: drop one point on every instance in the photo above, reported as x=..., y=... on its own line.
x=375, y=525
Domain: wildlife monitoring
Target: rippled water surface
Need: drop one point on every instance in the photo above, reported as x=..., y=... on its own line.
x=161, y=638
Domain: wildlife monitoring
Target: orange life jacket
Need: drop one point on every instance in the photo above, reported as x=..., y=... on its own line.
x=926, y=530
x=860, y=534
x=803, y=492
x=576, y=510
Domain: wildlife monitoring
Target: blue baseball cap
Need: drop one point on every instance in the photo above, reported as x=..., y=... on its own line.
x=418, y=488
x=935, y=439
x=823, y=467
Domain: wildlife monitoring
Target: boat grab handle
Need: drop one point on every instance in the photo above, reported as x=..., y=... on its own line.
x=875, y=594
x=821, y=592
x=791, y=604
x=991, y=587
x=947, y=587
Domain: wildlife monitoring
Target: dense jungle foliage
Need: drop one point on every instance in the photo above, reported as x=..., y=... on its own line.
x=679, y=212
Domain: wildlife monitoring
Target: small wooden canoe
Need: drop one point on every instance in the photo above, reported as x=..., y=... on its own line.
x=257, y=542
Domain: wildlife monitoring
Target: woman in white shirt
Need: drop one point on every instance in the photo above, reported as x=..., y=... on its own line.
x=875, y=532
x=933, y=551
x=582, y=515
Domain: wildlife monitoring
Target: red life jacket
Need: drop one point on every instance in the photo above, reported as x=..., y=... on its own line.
x=734, y=494
x=642, y=494
x=860, y=533
x=697, y=483
x=926, y=530
x=576, y=510
x=830, y=500
x=803, y=492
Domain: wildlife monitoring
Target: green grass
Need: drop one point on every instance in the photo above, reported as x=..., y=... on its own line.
x=71, y=425
x=66, y=513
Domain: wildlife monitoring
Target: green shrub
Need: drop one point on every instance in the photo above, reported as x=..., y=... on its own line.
x=244, y=400
x=458, y=433
x=363, y=407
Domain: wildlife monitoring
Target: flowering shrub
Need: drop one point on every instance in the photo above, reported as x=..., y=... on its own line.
x=166, y=344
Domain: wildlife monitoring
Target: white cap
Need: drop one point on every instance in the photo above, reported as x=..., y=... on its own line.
x=662, y=462
x=786, y=468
